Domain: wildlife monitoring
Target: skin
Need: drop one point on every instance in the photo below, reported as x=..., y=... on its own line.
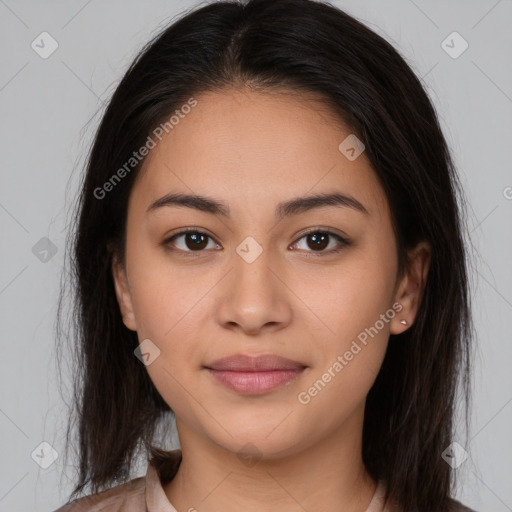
x=252, y=150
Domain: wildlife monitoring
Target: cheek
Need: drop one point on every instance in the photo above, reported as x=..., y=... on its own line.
x=165, y=314
x=355, y=306
x=351, y=296
x=347, y=366
x=167, y=311
x=161, y=295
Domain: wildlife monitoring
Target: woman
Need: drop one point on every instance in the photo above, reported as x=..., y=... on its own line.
x=269, y=247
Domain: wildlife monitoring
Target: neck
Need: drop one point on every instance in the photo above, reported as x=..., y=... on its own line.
x=328, y=475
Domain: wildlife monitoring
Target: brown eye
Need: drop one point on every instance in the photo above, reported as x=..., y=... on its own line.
x=196, y=241
x=318, y=241
x=189, y=241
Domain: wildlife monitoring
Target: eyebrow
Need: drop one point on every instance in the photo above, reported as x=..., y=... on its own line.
x=285, y=209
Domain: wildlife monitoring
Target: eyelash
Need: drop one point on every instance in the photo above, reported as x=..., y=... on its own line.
x=343, y=242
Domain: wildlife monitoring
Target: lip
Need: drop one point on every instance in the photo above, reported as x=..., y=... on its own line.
x=254, y=375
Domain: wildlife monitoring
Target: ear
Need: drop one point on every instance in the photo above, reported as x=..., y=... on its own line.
x=123, y=294
x=410, y=289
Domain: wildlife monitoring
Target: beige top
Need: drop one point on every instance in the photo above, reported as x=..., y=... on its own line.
x=146, y=494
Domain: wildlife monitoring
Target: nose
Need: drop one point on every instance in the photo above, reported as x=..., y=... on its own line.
x=254, y=297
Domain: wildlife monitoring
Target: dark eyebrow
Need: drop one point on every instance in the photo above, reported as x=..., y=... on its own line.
x=284, y=209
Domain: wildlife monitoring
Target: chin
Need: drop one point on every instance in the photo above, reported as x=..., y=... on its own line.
x=259, y=441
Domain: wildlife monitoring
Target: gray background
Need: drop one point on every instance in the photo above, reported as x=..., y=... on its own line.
x=49, y=110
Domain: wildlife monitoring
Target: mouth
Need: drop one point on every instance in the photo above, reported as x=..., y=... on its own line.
x=254, y=375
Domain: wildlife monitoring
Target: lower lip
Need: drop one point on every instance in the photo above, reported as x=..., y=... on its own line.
x=254, y=383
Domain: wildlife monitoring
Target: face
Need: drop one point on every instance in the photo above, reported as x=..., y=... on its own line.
x=314, y=283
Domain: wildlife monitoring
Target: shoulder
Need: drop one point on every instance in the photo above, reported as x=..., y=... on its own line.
x=133, y=495
x=127, y=497
x=453, y=506
x=456, y=506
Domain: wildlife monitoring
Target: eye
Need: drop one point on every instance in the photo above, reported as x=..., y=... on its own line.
x=320, y=240
x=192, y=240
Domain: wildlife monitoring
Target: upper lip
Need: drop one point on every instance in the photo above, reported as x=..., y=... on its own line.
x=247, y=363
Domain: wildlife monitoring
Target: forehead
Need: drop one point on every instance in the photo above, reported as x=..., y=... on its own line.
x=262, y=146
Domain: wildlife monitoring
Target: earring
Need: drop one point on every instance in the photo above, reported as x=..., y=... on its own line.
x=404, y=322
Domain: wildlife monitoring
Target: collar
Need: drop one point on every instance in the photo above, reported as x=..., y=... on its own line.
x=161, y=470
